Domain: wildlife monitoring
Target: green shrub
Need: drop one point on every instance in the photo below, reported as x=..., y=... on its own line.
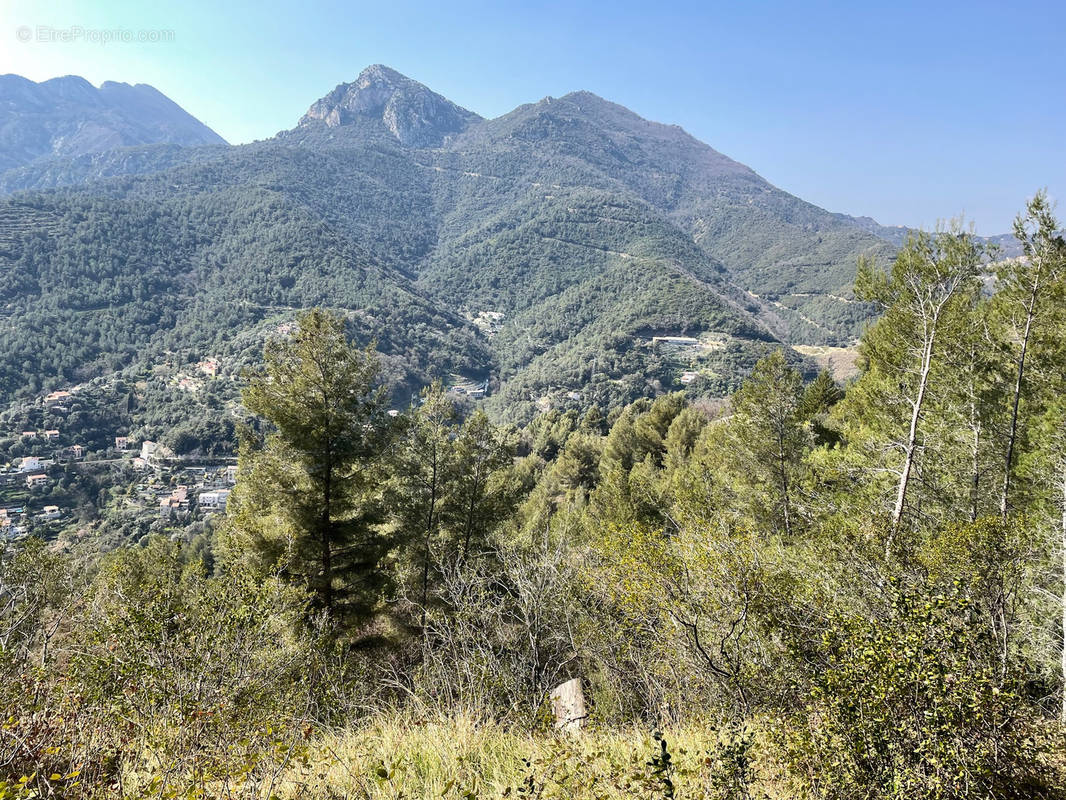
x=909, y=706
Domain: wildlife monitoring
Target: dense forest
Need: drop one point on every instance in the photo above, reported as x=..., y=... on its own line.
x=805, y=590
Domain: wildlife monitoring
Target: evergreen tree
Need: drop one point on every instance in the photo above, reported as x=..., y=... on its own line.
x=425, y=472
x=308, y=497
x=481, y=498
x=769, y=424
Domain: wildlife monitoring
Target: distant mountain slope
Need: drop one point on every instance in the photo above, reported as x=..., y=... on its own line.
x=68, y=117
x=896, y=235
x=130, y=269
x=796, y=260
x=568, y=252
x=54, y=173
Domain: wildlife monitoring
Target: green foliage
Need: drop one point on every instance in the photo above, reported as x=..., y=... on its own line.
x=769, y=408
x=907, y=705
x=736, y=566
x=310, y=504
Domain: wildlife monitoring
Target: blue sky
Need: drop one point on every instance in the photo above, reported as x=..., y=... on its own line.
x=907, y=112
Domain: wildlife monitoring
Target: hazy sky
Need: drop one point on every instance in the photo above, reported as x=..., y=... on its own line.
x=907, y=112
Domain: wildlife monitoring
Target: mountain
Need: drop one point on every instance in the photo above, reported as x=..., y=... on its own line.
x=550, y=253
x=793, y=260
x=416, y=116
x=68, y=117
x=896, y=235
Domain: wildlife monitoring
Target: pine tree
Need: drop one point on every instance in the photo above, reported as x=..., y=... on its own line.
x=307, y=499
x=480, y=499
x=768, y=419
x=424, y=475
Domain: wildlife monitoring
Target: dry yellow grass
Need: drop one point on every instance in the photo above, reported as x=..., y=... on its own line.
x=842, y=362
x=462, y=758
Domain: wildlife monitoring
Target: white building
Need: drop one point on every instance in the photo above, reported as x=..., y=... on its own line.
x=214, y=500
x=29, y=464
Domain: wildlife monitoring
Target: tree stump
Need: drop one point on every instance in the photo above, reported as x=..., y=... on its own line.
x=568, y=706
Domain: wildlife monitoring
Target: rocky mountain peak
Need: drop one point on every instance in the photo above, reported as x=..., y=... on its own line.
x=415, y=115
x=68, y=117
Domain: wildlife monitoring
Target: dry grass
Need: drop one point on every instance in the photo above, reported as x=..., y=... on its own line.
x=461, y=758
x=842, y=362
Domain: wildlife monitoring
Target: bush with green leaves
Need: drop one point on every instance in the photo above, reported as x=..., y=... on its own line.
x=909, y=705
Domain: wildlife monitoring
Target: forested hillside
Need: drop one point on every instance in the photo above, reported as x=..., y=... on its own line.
x=581, y=230
x=805, y=590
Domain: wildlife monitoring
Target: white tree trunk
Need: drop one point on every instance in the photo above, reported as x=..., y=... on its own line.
x=912, y=442
x=1016, y=401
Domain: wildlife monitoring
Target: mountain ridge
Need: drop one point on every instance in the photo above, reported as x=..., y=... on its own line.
x=68, y=117
x=545, y=251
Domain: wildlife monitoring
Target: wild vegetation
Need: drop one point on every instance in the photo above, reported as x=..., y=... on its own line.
x=809, y=590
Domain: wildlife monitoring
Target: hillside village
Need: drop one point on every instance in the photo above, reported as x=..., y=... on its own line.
x=45, y=482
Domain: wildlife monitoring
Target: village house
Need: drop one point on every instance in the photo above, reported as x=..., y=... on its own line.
x=76, y=451
x=214, y=500
x=229, y=475
x=209, y=367
x=29, y=464
x=56, y=397
x=40, y=479
x=121, y=443
x=176, y=503
x=29, y=434
x=51, y=436
x=50, y=512
x=688, y=377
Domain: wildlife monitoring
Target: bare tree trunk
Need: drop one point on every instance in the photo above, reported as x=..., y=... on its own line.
x=1013, y=435
x=912, y=443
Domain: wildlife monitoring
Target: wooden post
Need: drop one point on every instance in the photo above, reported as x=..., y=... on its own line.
x=568, y=706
